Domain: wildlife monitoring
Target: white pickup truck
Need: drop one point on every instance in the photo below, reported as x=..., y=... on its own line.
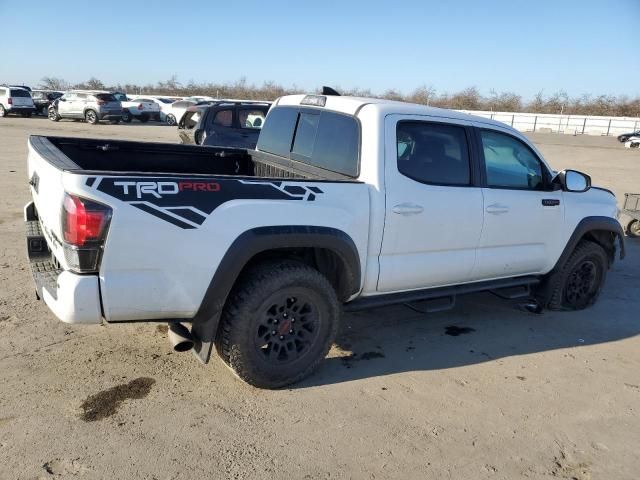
x=347, y=203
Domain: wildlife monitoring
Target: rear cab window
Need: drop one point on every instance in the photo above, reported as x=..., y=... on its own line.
x=320, y=138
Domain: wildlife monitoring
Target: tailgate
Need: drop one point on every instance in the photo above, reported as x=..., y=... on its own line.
x=48, y=182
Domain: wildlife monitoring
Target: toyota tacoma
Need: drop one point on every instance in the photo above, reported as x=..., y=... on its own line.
x=346, y=203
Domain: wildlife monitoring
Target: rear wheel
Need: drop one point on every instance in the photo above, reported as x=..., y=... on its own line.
x=278, y=325
x=577, y=283
x=91, y=117
x=171, y=120
x=3, y=112
x=126, y=116
x=633, y=228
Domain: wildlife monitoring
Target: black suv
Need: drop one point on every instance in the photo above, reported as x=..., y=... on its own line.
x=223, y=123
x=43, y=98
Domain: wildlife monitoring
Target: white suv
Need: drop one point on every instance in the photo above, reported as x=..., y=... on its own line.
x=16, y=100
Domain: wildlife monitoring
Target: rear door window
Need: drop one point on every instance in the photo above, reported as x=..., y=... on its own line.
x=433, y=153
x=19, y=93
x=106, y=97
x=223, y=118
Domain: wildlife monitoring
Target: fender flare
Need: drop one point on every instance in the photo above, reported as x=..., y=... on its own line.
x=251, y=243
x=591, y=224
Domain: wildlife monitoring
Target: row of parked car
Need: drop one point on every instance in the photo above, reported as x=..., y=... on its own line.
x=200, y=120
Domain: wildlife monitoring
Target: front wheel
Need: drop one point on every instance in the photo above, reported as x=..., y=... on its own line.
x=577, y=283
x=279, y=323
x=91, y=117
x=633, y=228
x=53, y=115
x=126, y=116
x=171, y=120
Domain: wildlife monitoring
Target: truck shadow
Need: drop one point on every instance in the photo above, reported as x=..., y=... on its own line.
x=481, y=328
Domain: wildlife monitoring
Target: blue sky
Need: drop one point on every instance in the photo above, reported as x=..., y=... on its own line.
x=522, y=46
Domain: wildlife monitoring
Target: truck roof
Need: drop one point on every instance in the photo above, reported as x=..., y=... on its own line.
x=351, y=106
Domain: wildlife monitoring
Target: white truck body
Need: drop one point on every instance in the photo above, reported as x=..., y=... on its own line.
x=170, y=229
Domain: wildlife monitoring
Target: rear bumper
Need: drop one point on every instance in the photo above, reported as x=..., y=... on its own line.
x=20, y=109
x=71, y=297
x=110, y=115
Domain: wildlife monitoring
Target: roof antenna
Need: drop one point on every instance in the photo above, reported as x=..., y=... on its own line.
x=329, y=91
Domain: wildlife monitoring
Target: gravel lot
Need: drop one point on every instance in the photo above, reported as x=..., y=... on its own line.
x=513, y=395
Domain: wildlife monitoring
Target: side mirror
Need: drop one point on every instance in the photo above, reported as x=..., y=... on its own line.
x=574, y=181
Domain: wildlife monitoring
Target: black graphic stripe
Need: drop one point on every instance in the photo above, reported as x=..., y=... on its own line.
x=188, y=214
x=157, y=213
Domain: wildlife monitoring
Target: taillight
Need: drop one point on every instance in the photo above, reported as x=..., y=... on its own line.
x=84, y=226
x=10, y=101
x=141, y=107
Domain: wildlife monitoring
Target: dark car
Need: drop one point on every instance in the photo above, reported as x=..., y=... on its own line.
x=625, y=136
x=223, y=124
x=43, y=98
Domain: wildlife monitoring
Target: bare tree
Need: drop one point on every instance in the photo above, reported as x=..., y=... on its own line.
x=54, y=83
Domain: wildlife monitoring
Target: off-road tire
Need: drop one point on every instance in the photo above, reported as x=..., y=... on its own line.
x=91, y=117
x=251, y=305
x=562, y=289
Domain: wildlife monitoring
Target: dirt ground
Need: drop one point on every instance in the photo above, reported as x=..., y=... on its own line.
x=484, y=391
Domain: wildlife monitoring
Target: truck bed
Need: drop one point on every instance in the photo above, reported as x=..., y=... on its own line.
x=100, y=156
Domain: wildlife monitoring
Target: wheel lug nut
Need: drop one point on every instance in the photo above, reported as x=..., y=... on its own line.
x=284, y=315
x=273, y=332
x=293, y=320
x=275, y=320
x=290, y=331
x=281, y=337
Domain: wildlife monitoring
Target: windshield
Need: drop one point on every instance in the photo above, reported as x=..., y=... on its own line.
x=165, y=100
x=120, y=97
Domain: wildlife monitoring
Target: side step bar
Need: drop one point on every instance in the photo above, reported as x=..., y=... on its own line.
x=517, y=287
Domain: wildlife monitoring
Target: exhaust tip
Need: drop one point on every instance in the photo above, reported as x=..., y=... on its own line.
x=180, y=337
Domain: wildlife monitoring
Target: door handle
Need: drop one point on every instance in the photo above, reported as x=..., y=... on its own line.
x=497, y=209
x=407, y=209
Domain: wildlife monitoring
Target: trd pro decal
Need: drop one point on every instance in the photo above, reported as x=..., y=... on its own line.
x=187, y=202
